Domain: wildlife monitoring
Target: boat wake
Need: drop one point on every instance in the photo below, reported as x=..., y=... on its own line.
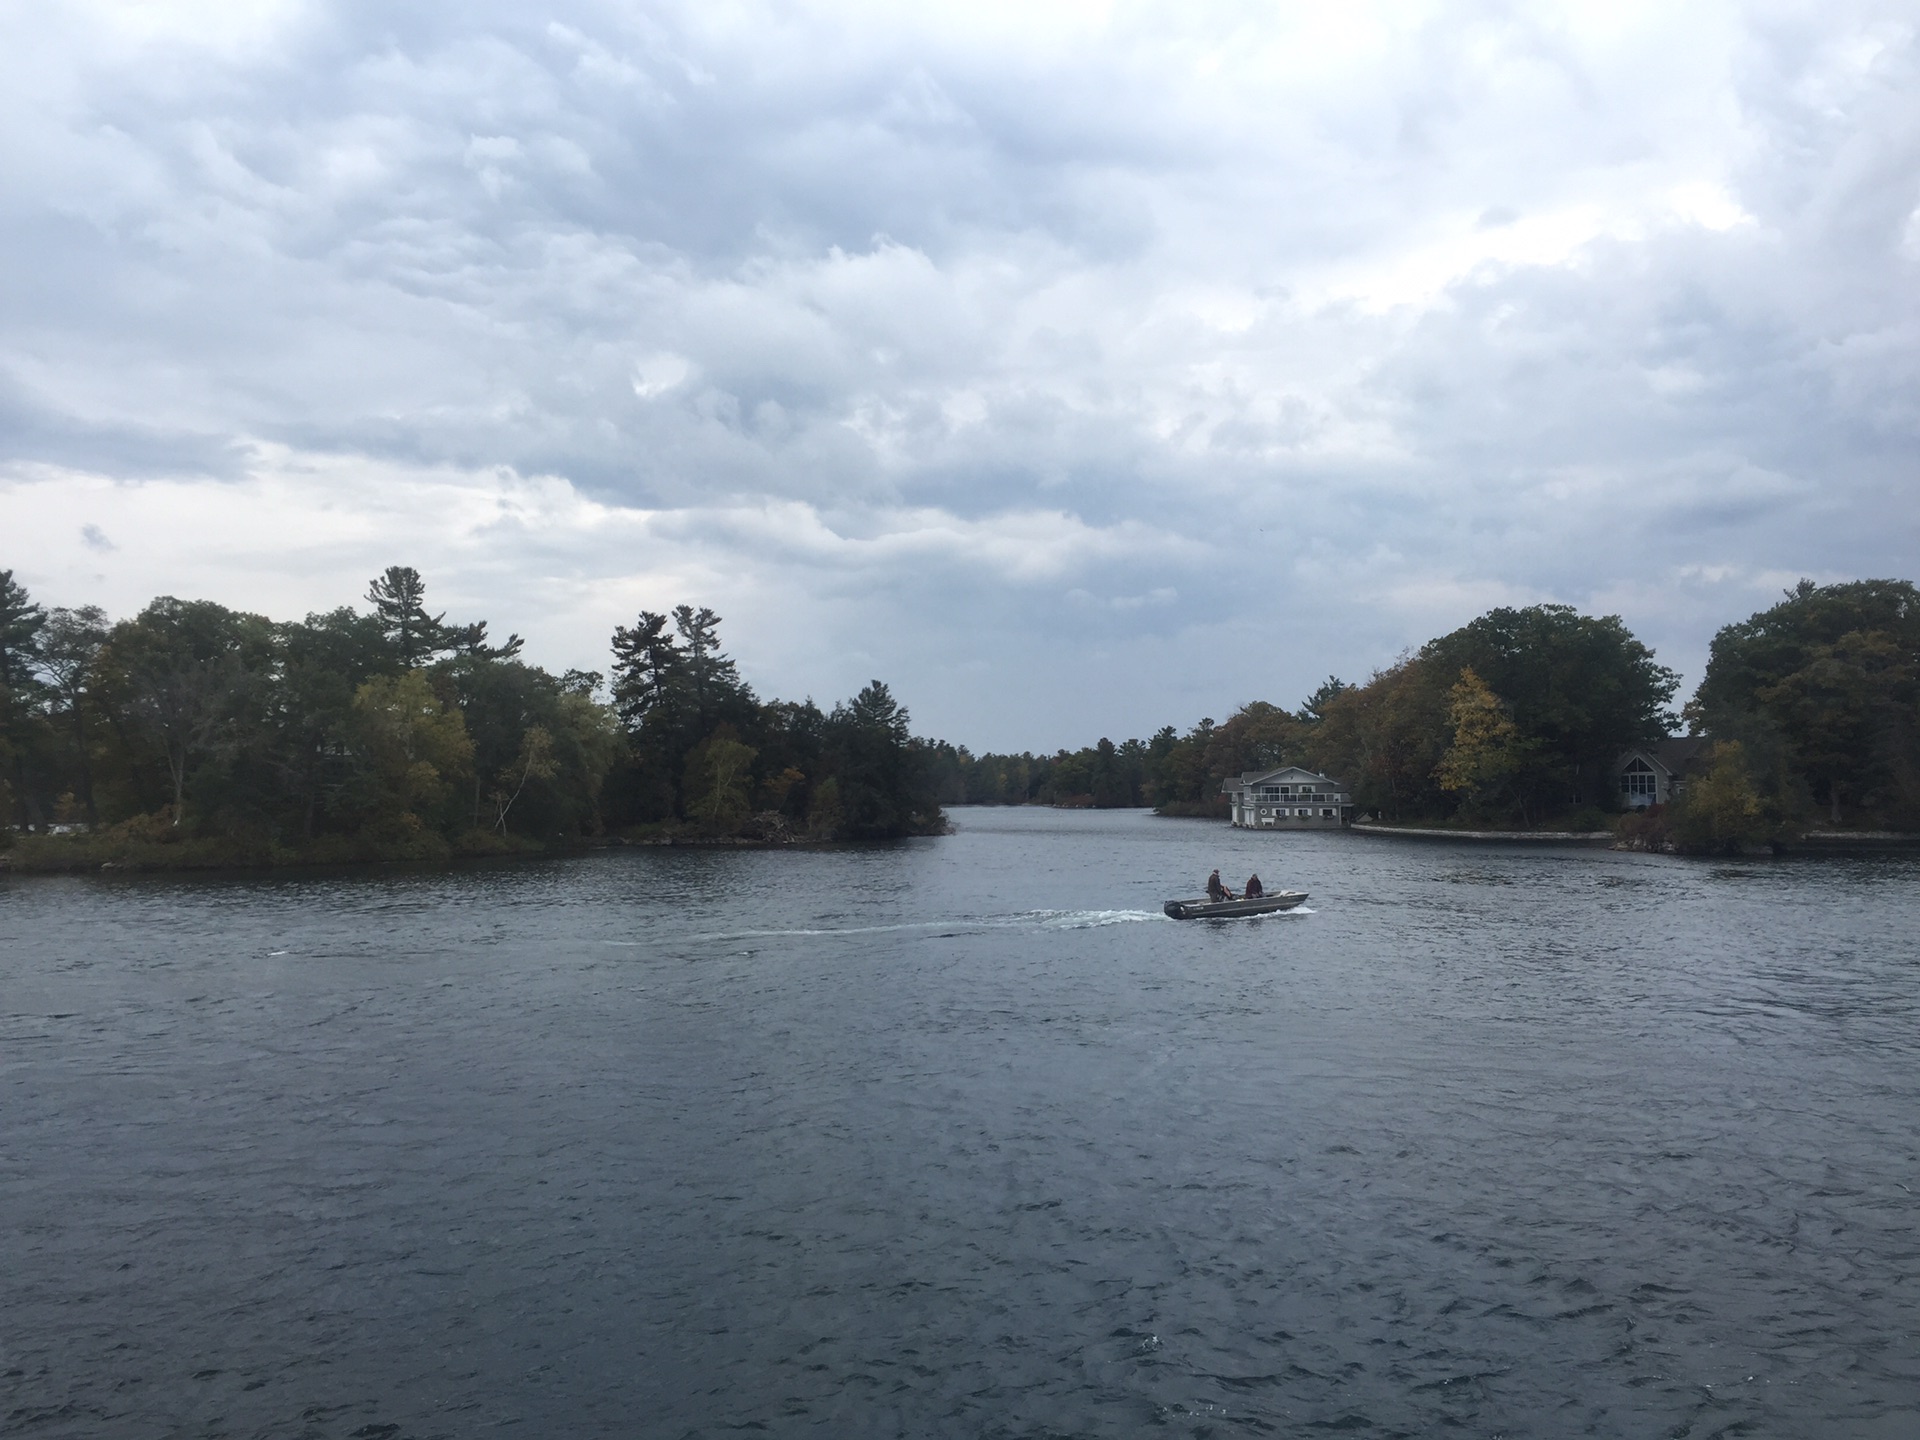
x=1087, y=919
x=957, y=925
x=803, y=932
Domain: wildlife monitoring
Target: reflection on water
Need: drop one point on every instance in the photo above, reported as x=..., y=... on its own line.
x=963, y=1137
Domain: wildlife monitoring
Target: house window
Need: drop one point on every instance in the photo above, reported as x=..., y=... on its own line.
x=1638, y=779
x=1326, y=814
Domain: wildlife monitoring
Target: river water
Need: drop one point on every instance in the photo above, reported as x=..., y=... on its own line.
x=960, y=1137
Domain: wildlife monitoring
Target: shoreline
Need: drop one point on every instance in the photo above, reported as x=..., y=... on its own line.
x=143, y=860
x=1812, y=842
x=1582, y=838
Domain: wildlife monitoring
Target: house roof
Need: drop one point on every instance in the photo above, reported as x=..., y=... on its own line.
x=1678, y=754
x=1673, y=755
x=1283, y=774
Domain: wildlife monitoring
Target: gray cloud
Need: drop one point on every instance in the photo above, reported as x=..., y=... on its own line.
x=1077, y=371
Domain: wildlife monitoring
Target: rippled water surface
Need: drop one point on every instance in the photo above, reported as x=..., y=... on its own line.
x=961, y=1138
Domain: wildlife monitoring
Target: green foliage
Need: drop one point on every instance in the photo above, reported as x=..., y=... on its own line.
x=702, y=750
x=399, y=599
x=1177, y=774
x=185, y=677
x=20, y=625
x=1487, y=751
x=68, y=652
x=1575, y=690
x=308, y=739
x=1823, y=689
x=1720, y=811
x=826, y=818
x=1385, y=739
x=1554, y=697
x=412, y=748
x=1580, y=690
x=879, y=773
x=393, y=734
x=719, y=783
x=534, y=760
x=672, y=689
x=413, y=637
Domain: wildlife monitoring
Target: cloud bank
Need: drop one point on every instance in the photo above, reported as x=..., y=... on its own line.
x=1077, y=368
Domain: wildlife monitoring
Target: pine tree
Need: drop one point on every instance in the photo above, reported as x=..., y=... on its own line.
x=645, y=661
x=399, y=603
x=68, y=648
x=711, y=677
x=20, y=624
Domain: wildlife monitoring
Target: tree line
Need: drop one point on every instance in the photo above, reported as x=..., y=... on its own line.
x=1519, y=717
x=390, y=732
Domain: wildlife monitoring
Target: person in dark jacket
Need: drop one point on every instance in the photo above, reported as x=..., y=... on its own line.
x=1254, y=889
x=1217, y=891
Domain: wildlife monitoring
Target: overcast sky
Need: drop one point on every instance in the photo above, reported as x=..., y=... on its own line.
x=1076, y=368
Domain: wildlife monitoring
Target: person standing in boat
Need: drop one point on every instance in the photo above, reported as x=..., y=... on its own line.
x=1216, y=889
x=1254, y=888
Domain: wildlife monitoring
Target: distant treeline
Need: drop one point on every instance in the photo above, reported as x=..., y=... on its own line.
x=389, y=732
x=1520, y=716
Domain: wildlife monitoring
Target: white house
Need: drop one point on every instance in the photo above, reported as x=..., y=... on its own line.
x=1657, y=774
x=1288, y=798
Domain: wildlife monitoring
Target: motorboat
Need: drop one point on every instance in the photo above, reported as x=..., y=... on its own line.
x=1205, y=909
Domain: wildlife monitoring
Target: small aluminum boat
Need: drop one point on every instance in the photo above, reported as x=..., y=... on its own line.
x=1205, y=909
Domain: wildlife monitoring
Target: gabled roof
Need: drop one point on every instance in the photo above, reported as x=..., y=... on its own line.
x=1678, y=754
x=1280, y=775
x=1673, y=755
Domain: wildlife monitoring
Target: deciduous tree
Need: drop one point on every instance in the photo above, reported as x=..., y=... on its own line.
x=1486, y=751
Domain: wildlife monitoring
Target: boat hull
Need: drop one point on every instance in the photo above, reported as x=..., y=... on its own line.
x=1204, y=909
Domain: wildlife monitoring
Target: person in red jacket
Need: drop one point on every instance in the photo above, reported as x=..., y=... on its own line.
x=1254, y=888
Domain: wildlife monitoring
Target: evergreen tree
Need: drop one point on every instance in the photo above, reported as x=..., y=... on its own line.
x=1823, y=689
x=1314, y=708
x=646, y=660
x=712, y=680
x=20, y=625
x=399, y=598
x=68, y=650
x=880, y=777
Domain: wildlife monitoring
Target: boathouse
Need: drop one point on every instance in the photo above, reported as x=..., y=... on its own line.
x=1287, y=798
x=1656, y=774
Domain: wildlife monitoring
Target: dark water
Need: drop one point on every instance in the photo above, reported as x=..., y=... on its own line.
x=960, y=1138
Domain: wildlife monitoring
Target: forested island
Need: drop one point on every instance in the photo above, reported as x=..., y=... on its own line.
x=192, y=734
x=1515, y=720
x=195, y=735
